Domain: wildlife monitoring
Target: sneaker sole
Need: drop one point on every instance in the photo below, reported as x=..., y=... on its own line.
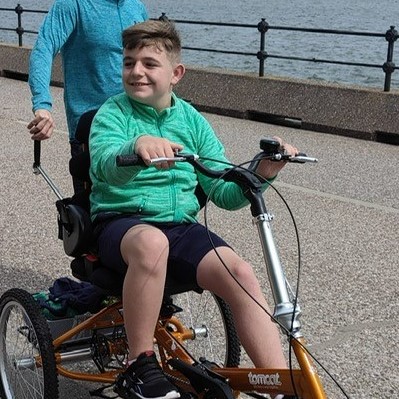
x=134, y=395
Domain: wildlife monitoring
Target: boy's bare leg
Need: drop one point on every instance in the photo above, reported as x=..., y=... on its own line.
x=145, y=250
x=258, y=334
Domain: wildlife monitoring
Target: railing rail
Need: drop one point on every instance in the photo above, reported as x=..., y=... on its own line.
x=390, y=36
x=19, y=10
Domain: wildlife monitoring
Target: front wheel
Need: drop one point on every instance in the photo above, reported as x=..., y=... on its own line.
x=216, y=337
x=27, y=361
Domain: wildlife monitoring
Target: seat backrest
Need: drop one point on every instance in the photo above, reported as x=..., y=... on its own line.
x=75, y=227
x=79, y=165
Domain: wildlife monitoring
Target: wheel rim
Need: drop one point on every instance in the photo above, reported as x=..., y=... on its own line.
x=204, y=314
x=20, y=374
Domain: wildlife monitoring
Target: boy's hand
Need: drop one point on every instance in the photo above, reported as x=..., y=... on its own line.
x=42, y=126
x=269, y=169
x=149, y=147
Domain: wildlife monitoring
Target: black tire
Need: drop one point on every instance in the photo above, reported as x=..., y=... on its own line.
x=218, y=342
x=24, y=336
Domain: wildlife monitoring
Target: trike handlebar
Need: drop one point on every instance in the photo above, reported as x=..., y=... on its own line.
x=245, y=177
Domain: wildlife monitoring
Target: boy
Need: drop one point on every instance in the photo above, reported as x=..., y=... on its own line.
x=157, y=208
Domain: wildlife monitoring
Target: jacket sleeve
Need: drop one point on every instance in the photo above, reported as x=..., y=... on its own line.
x=109, y=137
x=55, y=30
x=226, y=195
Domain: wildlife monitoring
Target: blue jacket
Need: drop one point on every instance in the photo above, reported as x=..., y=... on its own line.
x=88, y=33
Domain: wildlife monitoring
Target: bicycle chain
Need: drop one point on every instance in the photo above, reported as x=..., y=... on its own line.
x=173, y=377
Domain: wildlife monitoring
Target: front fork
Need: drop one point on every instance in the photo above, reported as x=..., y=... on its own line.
x=286, y=311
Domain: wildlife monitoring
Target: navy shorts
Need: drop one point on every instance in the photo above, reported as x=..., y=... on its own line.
x=188, y=244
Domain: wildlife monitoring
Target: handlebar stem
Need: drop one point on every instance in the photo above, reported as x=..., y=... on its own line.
x=284, y=308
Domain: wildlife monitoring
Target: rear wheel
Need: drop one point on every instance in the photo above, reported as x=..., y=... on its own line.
x=27, y=361
x=210, y=317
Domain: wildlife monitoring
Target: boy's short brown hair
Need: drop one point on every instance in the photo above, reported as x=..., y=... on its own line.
x=161, y=34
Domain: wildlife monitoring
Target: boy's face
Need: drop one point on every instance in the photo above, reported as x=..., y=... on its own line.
x=149, y=76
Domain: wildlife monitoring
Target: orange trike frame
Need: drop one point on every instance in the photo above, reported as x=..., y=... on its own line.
x=302, y=381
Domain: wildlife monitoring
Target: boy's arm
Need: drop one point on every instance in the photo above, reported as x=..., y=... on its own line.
x=228, y=195
x=225, y=195
x=109, y=137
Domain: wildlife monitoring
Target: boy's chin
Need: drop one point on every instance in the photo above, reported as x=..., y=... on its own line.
x=141, y=100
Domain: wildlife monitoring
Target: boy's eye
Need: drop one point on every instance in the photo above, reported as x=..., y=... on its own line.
x=148, y=64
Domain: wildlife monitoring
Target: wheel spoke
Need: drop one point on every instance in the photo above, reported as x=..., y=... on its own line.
x=204, y=312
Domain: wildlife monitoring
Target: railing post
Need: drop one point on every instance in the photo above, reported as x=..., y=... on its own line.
x=20, y=30
x=163, y=17
x=388, y=67
x=263, y=27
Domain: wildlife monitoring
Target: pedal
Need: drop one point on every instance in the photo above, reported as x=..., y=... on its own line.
x=204, y=380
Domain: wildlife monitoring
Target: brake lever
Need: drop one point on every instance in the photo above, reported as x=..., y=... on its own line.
x=300, y=158
x=178, y=158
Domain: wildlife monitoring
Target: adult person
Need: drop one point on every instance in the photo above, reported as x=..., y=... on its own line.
x=146, y=217
x=88, y=35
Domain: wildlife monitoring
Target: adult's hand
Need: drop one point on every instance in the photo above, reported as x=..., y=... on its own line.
x=42, y=126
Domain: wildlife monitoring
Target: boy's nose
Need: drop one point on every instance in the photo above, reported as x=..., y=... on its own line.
x=138, y=69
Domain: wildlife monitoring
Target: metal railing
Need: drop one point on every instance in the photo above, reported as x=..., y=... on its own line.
x=390, y=36
x=19, y=10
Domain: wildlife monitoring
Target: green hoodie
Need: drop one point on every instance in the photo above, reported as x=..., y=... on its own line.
x=157, y=195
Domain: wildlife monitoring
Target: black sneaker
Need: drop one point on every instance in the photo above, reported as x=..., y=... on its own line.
x=144, y=379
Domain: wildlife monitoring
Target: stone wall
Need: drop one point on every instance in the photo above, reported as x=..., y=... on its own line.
x=369, y=114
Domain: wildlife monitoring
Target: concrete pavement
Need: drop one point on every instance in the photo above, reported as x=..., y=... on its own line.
x=346, y=208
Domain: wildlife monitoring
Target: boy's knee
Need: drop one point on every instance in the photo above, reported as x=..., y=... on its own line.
x=145, y=245
x=151, y=239
x=243, y=272
x=211, y=270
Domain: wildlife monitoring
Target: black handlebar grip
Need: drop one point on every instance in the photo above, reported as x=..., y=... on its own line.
x=36, y=153
x=129, y=160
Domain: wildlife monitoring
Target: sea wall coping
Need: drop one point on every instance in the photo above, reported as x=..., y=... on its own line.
x=359, y=112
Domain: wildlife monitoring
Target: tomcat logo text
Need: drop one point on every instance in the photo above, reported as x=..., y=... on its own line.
x=264, y=379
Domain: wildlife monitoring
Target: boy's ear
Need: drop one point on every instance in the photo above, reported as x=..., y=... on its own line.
x=178, y=73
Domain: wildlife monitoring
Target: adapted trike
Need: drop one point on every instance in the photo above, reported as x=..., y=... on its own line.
x=197, y=344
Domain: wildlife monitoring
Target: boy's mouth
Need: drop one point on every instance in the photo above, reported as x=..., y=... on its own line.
x=139, y=84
